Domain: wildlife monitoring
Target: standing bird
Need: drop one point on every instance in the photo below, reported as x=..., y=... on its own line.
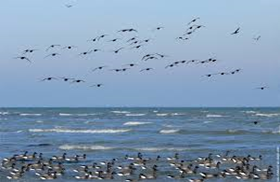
x=236, y=31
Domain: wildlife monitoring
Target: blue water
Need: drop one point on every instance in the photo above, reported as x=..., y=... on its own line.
x=106, y=133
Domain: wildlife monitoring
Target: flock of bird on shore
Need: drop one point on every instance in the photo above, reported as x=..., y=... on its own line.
x=137, y=168
x=132, y=42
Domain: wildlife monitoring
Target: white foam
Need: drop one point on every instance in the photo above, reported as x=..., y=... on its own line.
x=177, y=114
x=168, y=131
x=30, y=114
x=136, y=114
x=249, y=112
x=158, y=149
x=84, y=147
x=162, y=114
x=4, y=113
x=58, y=130
x=267, y=114
x=214, y=116
x=120, y=112
x=39, y=121
x=135, y=123
x=65, y=114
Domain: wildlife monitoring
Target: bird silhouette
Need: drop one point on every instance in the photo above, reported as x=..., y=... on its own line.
x=236, y=31
x=23, y=58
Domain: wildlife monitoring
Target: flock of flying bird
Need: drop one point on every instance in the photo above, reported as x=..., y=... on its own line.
x=137, y=168
x=133, y=42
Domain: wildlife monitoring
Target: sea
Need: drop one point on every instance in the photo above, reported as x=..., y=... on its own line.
x=106, y=133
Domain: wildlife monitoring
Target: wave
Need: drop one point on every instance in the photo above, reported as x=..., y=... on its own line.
x=249, y=112
x=214, y=116
x=158, y=149
x=81, y=115
x=100, y=147
x=135, y=123
x=120, y=112
x=169, y=131
x=177, y=114
x=136, y=114
x=4, y=113
x=30, y=114
x=162, y=114
x=84, y=147
x=58, y=130
x=65, y=114
x=267, y=114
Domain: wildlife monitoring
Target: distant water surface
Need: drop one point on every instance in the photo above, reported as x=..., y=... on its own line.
x=106, y=133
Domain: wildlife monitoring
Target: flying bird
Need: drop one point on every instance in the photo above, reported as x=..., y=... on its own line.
x=146, y=69
x=53, y=46
x=99, y=68
x=29, y=51
x=69, y=47
x=68, y=5
x=193, y=20
x=49, y=79
x=236, y=31
x=23, y=58
x=52, y=55
x=257, y=38
x=78, y=81
x=262, y=88
x=97, y=85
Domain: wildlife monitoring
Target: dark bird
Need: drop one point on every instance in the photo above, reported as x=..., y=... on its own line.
x=208, y=75
x=137, y=47
x=256, y=122
x=78, y=81
x=151, y=57
x=146, y=69
x=29, y=51
x=193, y=20
x=159, y=28
x=132, y=39
x=52, y=55
x=53, y=46
x=170, y=66
x=262, y=88
x=66, y=79
x=99, y=68
x=131, y=65
x=236, y=31
x=145, y=41
x=257, y=38
x=183, y=38
x=85, y=53
x=128, y=30
x=23, y=58
x=114, y=40
x=49, y=79
x=97, y=85
x=146, y=56
x=69, y=47
x=161, y=55
x=68, y=5
x=118, y=50
x=119, y=70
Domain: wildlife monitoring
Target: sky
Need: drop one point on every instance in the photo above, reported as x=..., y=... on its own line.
x=37, y=24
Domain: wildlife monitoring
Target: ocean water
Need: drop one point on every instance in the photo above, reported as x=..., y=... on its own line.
x=106, y=133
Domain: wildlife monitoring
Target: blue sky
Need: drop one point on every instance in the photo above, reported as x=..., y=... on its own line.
x=39, y=23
